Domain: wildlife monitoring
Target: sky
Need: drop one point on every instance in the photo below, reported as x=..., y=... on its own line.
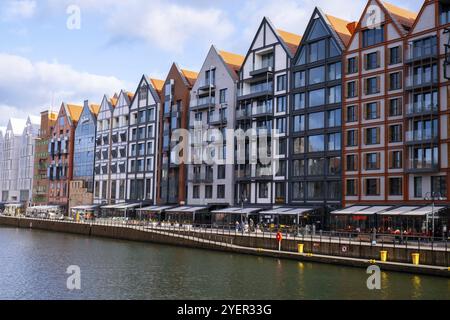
x=73, y=50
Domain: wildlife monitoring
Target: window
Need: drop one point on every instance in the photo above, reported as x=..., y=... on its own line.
x=372, y=85
x=299, y=101
x=334, y=71
x=372, y=111
x=298, y=192
x=372, y=136
x=395, y=81
x=316, y=143
x=334, y=94
x=220, y=191
x=395, y=160
x=267, y=60
x=350, y=186
x=208, y=192
x=395, y=55
x=395, y=186
x=210, y=77
x=280, y=191
x=317, y=51
x=444, y=9
x=395, y=107
x=316, y=167
x=372, y=161
x=281, y=125
x=223, y=95
x=281, y=104
x=334, y=166
x=372, y=187
x=439, y=185
x=352, y=65
x=281, y=82
x=299, y=123
x=221, y=172
x=395, y=133
x=299, y=79
x=352, y=138
x=316, y=121
x=334, y=118
x=316, y=75
x=196, y=192
x=281, y=172
x=334, y=141
x=417, y=187
x=316, y=97
x=351, y=114
x=351, y=162
x=263, y=190
x=372, y=60
x=299, y=145
x=352, y=89
x=298, y=168
x=316, y=190
x=373, y=36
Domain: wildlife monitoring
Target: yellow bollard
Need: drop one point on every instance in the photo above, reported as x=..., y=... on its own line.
x=300, y=247
x=415, y=258
x=383, y=256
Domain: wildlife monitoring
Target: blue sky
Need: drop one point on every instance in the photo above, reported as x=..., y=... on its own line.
x=42, y=62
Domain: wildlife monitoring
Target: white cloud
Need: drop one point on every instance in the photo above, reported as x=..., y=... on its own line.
x=166, y=25
x=18, y=9
x=28, y=87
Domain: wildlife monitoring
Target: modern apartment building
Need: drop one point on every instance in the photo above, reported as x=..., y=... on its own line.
x=111, y=149
x=262, y=105
x=172, y=184
x=427, y=99
x=315, y=130
x=212, y=112
x=143, y=142
x=102, y=151
x=81, y=190
x=17, y=162
x=2, y=139
x=40, y=177
x=61, y=152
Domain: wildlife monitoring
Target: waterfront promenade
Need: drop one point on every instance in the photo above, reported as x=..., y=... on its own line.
x=434, y=258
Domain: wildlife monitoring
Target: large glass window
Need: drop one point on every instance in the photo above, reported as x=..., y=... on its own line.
x=316, y=120
x=299, y=145
x=298, y=192
x=334, y=118
x=334, y=94
x=317, y=51
x=316, y=97
x=299, y=123
x=299, y=79
x=373, y=36
x=335, y=71
x=299, y=101
x=298, y=168
x=316, y=75
x=316, y=167
x=316, y=143
x=334, y=141
x=316, y=190
x=439, y=185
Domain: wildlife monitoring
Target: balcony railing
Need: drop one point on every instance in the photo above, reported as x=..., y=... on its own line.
x=422, y=165
x=196, y=177
x=262, y=110
x=419, y=52
x=420, y=108
x=421, y=135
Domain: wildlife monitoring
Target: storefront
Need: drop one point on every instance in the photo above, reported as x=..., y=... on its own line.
x=14, y=209
x=84, y=212
x=357, y=218
x=229, y=216
x=188, y=215
x=45, y=212
x=152, y=213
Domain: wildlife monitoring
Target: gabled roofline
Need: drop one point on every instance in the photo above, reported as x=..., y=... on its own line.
x=155, y=94
x=422, y=8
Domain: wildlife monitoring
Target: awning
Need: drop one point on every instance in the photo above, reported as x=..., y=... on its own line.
x=87, y=207
x=349, y=210
x=112, y=206
x=428, y=210
x=372, y=210
x=298, y=211
x=128, y=206
x=186, y=209
x=155, y=208
x=226, y=210
x=275, y=210
x=42, y=208
x=398, y=211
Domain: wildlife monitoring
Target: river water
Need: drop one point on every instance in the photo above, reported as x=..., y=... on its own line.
x=34, y=263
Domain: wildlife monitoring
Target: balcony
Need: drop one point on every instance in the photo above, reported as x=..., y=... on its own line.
x=425, y=81
x=243, y=174
x=256, y=91
x=218, y=118
x=422, y=166
x=265, y=71
x=262, y=110
x=422, y=136
x=204, y=103
x=262, y=173
x=203, y=177
x=243, y=114
x=206, y=89
x=417, y=54
x=419, y=109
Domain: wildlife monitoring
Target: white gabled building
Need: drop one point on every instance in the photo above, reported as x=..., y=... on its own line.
x=17, y=154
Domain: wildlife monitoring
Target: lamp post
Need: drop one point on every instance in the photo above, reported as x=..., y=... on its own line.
x=432, y=196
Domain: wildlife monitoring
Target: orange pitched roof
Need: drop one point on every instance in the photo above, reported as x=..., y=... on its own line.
x=130, y=95
x=74, y=111
x=157, y=84
x=114, y=99
x=341, y=27
x=191, y=76
x=233, y=60
x=403, y=16
x=292, y=40
x=95, y=108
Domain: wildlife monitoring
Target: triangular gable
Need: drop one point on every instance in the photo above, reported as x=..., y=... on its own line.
x=87, y=114
x=150, y=84
x=426, y=13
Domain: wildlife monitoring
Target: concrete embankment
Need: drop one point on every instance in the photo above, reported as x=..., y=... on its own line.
x=399, y=259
